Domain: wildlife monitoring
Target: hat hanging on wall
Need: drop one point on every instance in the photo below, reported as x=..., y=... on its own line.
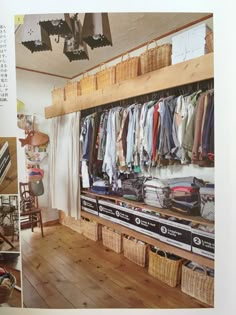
x=35, y=174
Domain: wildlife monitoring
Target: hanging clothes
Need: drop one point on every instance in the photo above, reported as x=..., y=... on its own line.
x=113, y=127
x=64, y=152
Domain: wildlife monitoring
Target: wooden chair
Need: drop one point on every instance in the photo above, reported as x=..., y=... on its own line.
x=29, y=206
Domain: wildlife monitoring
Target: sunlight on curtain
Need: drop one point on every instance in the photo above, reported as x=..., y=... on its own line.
x=64, y=178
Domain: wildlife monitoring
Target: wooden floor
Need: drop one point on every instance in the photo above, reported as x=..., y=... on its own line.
x=66, y=270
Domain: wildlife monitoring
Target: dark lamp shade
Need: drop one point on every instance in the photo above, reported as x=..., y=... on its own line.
x=74, y=47
x=56, y=24
x=33, y=36
x=96, y=30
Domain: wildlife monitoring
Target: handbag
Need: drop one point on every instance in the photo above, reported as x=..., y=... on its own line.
x=37, y=188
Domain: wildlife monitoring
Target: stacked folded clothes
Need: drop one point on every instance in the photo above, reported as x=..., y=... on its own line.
x=100, y=187
x=185, y=195
x=157, y=193
x=207, y=195
x=133, y=188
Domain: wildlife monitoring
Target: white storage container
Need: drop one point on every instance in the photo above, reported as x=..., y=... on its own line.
x=189, y=44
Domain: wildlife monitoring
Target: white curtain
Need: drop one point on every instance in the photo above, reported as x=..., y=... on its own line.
x=64, y=181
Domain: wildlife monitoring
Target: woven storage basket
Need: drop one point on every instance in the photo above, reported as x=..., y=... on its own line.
x=198, y=284
x=135, y=251
x=112, y=239
x=88, y=84
x=165, y=269
x=6, y=291
x=58, y=96
x=91, y=230
x=106, y=77
x=127, y=69
x=155, y=58
x=8, y=229
x=209, y=42
x=72, y=90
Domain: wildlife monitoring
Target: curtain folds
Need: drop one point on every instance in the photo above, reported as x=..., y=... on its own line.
x=64, y=180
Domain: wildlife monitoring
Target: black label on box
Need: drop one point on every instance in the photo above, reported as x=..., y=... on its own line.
x=5, y=161
x=203, y=243
x=115, y=213
x=175, y=234
x=146, y=223
x=89, y=204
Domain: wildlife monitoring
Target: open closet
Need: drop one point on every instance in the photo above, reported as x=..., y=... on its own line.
x=130, y=179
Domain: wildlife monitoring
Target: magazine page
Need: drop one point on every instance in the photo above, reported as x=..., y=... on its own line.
x=117, y=157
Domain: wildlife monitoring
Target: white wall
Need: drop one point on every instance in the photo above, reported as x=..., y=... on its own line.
x=34, y=90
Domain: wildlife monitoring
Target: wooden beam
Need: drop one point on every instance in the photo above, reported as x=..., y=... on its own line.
x=183, y=73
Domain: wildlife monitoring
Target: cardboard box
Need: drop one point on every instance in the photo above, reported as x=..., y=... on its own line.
x=175, y=233
x=115, y=213
x=203, y=243
x=146, y=223
x=89, y=204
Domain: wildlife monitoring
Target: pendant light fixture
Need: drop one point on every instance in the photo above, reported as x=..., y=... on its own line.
x=74, y=47
x=33, y=36
x=96, y=30
x=56, y=24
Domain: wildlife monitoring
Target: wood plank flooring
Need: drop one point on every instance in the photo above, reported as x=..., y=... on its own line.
x=66, y=270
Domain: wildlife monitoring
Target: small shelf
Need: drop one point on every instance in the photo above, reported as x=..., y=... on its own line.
x=152, y=241
x=197, y=219
x=194, y=70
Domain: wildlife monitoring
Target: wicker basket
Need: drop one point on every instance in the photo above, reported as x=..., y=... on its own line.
x=106, y=77
x=8, y=229
x=88, y=84
x=91, y=230
x=155, y=58
x=135, y=251
x=112, y=239
x=127, y=69
x=209, y=42
x=198, y=284
x=58, y=96
x=164, y=268
x=72, y=90
x=6, y=291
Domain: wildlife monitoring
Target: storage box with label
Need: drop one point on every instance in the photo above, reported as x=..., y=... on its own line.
x=176, y=233
x=89, y=204
x=190, y=43
x=115, y=213
x=146, y=222
x=203, y=242
x=5, y=160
